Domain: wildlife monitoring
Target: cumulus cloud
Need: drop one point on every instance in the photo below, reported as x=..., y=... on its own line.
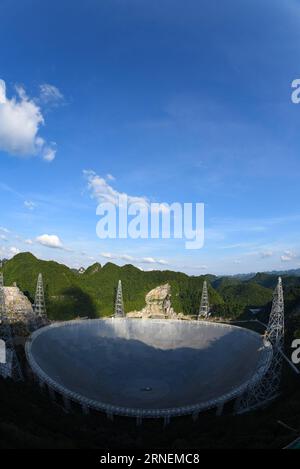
x=51, y=241
x=103, y=192
x=20, y=122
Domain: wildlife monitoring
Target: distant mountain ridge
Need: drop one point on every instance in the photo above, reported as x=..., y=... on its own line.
x=91, y=292
x=248, y=276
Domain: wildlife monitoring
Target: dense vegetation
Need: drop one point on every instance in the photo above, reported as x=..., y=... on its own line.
x=70, y=294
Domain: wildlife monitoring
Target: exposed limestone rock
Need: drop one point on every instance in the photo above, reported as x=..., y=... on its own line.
x=158, y=305
x=17, y=305
x=158, y=302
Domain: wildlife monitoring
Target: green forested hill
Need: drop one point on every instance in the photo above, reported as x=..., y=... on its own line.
x=270, y=280
x=70, y=294
x=92, y=294
x=222, y=282
x=248, y=294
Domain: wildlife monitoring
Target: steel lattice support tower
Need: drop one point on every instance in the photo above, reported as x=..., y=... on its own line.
x=12, y=367
x=39, y=306
x=275, y=330
x=204, y=304
x=119, y=305
x=268, y=387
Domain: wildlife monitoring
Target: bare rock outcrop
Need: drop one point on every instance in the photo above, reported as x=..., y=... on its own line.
x=17, y=305
x=158, y=304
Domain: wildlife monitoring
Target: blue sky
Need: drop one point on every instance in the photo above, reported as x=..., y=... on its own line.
x=168, y=100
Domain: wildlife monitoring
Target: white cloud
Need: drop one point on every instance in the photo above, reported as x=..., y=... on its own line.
x=5, y=230
x=49, y=153
x=51, y=241
x=107, y=255
x=110, y=177
x=148, y=260
x=162, y=262
x=3, y=237
x=28, y=241
x=102, y=192
x=287, y=256
x=20, y=122
x=13, y=250
x=152, y=260
x=126, y=257
x=30, y=204
x=50, y=94
x=9, y=251
x=266, y=254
